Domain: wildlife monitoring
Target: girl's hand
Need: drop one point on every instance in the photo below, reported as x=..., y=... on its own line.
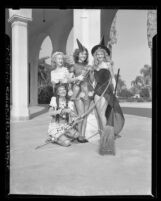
x=90, y=68
x=66, y=110
x=70, y=92
x=71, y=79
x=58, y=111
x=53, y=111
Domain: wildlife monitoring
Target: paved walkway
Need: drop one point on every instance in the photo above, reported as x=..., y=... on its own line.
x=79, y=169
x=136, y=104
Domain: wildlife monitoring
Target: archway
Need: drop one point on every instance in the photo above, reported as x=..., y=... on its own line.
x=57, y=26
x=44, y=69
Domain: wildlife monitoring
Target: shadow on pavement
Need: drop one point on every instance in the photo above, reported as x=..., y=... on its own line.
x=43, y=110
x=144, y=112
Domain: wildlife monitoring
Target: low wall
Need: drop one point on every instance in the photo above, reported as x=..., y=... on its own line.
x=139, y=109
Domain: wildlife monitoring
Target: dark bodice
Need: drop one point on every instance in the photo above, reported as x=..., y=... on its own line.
x=113, y=116
x=102, y=78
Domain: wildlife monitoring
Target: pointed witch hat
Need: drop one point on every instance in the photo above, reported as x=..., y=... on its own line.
x=100, y=45
x=80, y=46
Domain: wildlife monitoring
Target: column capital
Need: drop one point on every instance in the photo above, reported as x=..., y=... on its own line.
x=84, y=13
x=23, y=15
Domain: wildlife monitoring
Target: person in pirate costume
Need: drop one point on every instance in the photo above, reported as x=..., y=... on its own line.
x=61, y=110
x=82, y=89
x=108, y=110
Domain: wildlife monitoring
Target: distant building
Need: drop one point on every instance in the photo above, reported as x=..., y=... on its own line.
x=136, y=96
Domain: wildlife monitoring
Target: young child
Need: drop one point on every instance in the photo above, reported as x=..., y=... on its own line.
x=62, y=114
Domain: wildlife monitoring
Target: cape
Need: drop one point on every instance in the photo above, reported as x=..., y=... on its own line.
x=113, y=113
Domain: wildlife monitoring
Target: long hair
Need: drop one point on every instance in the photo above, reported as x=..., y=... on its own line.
x=57, y=107
x=76, y=56
x=106, y=56
x=53, y=59
x=57, y=103
x=67, y=99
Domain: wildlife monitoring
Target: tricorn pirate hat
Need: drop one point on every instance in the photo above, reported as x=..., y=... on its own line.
x=102, y=46
x=80, y=46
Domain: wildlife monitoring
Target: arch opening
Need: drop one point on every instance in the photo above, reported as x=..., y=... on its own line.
x=44, y=68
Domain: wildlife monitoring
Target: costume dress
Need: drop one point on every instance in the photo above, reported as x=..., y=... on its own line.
x=58, y=128
x=82, y=71
x=113, y=112
x=60, y=75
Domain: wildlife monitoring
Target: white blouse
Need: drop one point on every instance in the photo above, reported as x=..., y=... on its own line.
x=60, y=75
x=56, y=129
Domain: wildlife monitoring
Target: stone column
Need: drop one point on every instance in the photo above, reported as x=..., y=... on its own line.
x=19, y=21
x=34, y=82
x=151, y=32
x=151, y=28
x=87, y=28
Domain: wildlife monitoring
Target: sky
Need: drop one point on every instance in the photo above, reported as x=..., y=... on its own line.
x=46, y=49
x=131, y=52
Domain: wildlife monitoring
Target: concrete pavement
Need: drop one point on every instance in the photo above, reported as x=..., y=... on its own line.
x=136, y=104
x=79, y=169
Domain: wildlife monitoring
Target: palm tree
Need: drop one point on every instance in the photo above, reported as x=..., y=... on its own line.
x=44, y=70
x=139, y=81
x=146, y=71
x=44, y=84
x=137, y=84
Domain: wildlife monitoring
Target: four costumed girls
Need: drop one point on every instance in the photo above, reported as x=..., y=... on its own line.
x=87, y=84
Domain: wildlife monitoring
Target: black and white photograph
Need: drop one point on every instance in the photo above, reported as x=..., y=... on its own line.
x=80, y=91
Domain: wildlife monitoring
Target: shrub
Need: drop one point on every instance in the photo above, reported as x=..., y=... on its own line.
x=125, y=93
x=45, y=94
x=131, y=99
x=140, y=100
x=144, y=93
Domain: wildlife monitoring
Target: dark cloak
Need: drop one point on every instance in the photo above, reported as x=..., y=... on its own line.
x=113, y=113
